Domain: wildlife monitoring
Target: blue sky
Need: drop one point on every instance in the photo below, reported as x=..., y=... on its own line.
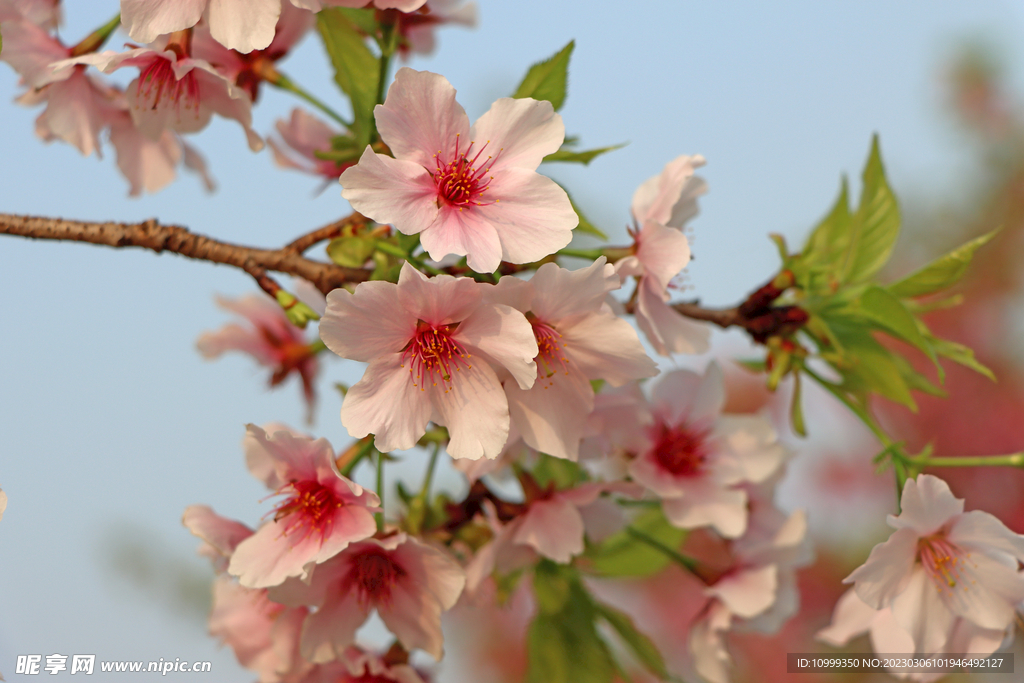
x=110, y=422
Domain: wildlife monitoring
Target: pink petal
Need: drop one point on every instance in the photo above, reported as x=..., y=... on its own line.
x=332, y=628
x=220, y=533
x=392, y=191
x=415, y=619
x=749, y=592
x=887, y=570
x=887, y=634
x=146, y=19
x=560, y=293
x=268, y=557
x=554, y=528
x=507, y=339
x=753, y=442
x=34, y=53
x=603, y=346
x=243, y=25
x=671, y=197
x=982, y=532
x=725, y=510
x=77, y=111
x=988, y=593
x=663, y=252
x=682, y=396
x=147, y=164
x=531, y=214
x=466, y=233
x=386, y=403
x=475, y=411
x=666, y=329
x=551, y=416
x=920, y=610
x=420, y=118
x=433, y=569
x=519, y=133
x=438, y=300
x=926, y=505
x=220, y=96
x=850, y=618
x=367, y=324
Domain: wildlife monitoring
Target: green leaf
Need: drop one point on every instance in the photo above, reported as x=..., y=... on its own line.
x=876, y=225
x=622, y=554
x=559, y=471
x=356, y=70
x=645, y=650
x=350, y=252
x=883, y=308
x=363, y=19
x=584, y=158
x=548, y=80
x=868, y=366
x=941, y=273
x=958, y=353
x=816, y=266
x=550, y=587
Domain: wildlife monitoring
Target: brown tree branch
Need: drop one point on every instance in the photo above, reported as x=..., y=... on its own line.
x=151, y=235
x=329, y=231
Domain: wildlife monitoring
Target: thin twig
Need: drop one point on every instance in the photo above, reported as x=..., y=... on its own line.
x=176, y=239
x=329, y=231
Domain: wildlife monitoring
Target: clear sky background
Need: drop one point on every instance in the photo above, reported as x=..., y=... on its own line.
x=111, y=423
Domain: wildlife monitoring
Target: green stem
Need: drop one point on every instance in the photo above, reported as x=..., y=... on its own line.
x=688, y=563
x=364, y=450
x=380, y=490
x=398, y=252
x=1011, y=460
x=589, y=254
x=428, y=480
x=291, y=86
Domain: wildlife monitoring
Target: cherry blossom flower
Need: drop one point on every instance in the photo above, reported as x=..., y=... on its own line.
x=661, y=206
x=3, y=503
x=429, y=343
x=695, y=459
x=853, y=617
x=321, y=514
x=579, y=339
x=243, y=25
x=249, y=70
x=417, y=29
x=43, y=13
x=263, y=634
x=302, y=136
x=151, y=165
x=942, y=564
x=175, y=92
x=272, y=339
x=408, y=582
x=472, y=192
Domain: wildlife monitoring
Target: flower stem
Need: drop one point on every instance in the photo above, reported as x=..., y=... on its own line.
x=687, y=563
x=589, y=254
x=281, y=81
x=428, y=479
x=380, y=490
x=1011, y=460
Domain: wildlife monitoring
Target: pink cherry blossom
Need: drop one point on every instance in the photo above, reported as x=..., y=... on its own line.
x=661, y=206
x=271, y=338
x=243, y=25
x=43, y=13
x=472, y=192
x=151, y=165
x=695, y=459
x=942, y=564
x=417, y=29
x=264, y=635
x=321, y=514
x=408, y=583
x=175, y=92
x=853, y=617
x=579, y=339
x=302, y=136
x=429, y=343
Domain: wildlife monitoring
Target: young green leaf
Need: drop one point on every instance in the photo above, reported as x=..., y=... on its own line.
x=548, y=80
x=958, y=353
x=584, y=157
x=355, y=68
x=883, y=308
x=876, y=224
x=941, y=273
x=350, y=252
x=623, y=555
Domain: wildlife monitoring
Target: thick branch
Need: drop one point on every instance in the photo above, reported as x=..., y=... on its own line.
x=151, y=235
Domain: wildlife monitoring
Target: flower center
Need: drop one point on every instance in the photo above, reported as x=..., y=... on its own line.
x=432, y=355
x=160, y=87
x=463, y=180
x=310, y=508
x=373, y=574
x=946, y=564
x=551, y=349
x=682, y=450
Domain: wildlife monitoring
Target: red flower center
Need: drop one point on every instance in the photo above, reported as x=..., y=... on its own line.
x=682, y=450
x=373, y=573
x=550, y=349
x=160, y=87
x=432, y=355
x=463, y=180
x=946, y=564
x=309, y=509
